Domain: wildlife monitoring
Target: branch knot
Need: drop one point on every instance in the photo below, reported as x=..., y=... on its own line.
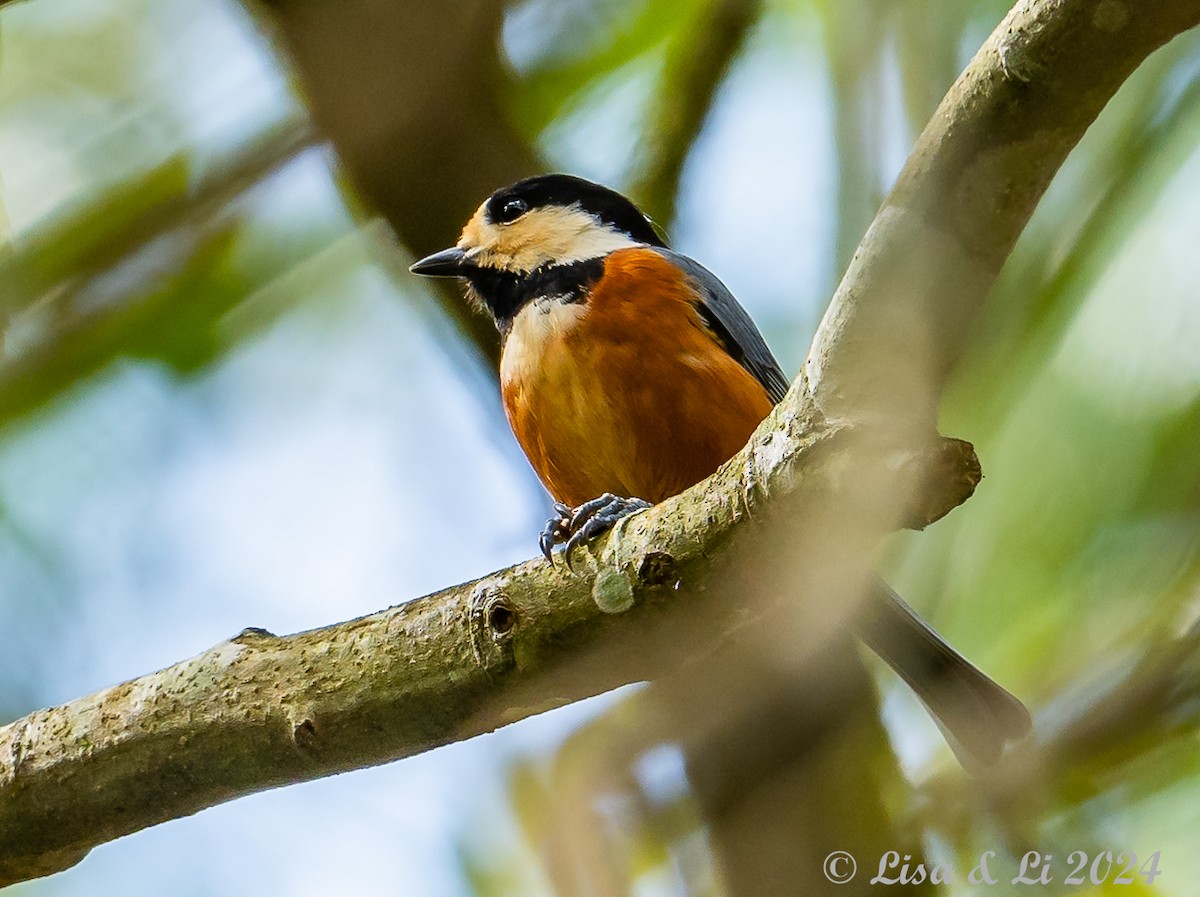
x=493, y=620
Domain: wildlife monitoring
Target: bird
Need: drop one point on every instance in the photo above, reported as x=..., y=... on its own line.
x=629, y=372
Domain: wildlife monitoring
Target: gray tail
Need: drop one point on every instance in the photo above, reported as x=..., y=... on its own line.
x=976, y=715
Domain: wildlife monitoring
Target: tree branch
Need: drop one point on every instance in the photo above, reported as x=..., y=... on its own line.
x=125, y=218
x=696, y=65
x=260, y=711
x=380, y=81
x=787, y=517
x=1152, y=702
x=902, y=313
x=53, y=340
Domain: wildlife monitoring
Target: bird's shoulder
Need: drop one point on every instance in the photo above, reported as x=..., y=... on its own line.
x=657, y=268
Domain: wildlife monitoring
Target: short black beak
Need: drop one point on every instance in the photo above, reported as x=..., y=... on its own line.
x=450, y=262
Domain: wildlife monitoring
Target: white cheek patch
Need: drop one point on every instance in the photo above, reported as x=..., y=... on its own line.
x=552, y=234
x=593, y=241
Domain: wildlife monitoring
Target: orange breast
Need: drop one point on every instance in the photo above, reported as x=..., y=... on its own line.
x=626, y=393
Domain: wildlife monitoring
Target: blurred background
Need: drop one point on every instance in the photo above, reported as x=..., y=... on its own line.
x=224, y=402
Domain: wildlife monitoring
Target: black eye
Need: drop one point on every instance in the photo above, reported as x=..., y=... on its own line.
x=512, y=209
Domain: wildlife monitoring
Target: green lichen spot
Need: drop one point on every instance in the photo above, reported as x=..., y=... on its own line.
x=613, y=592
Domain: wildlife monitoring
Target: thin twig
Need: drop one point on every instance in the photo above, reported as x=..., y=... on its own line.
x=696, y=65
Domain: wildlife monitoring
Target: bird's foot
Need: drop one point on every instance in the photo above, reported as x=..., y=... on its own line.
x=571, y=526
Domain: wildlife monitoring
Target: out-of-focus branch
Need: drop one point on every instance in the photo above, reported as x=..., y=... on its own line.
x=1157, y=699
x=140, y=211
x=1077, y=755
x=696, y=65
x=51, y=339
x=854, y=32
x=1147, y=165
x=903, y=311
x=410, y=95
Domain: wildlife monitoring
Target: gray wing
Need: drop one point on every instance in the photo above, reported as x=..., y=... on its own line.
x=732, y=326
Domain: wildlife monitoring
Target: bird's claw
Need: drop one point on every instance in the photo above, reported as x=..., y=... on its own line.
x=572, y=526
x=555, y=531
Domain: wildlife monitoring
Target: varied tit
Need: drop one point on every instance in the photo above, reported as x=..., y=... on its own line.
x=629, y=373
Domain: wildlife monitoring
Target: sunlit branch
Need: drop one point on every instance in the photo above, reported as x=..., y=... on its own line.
x=1145, y=169
x=261, y=711
x=902, y=314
